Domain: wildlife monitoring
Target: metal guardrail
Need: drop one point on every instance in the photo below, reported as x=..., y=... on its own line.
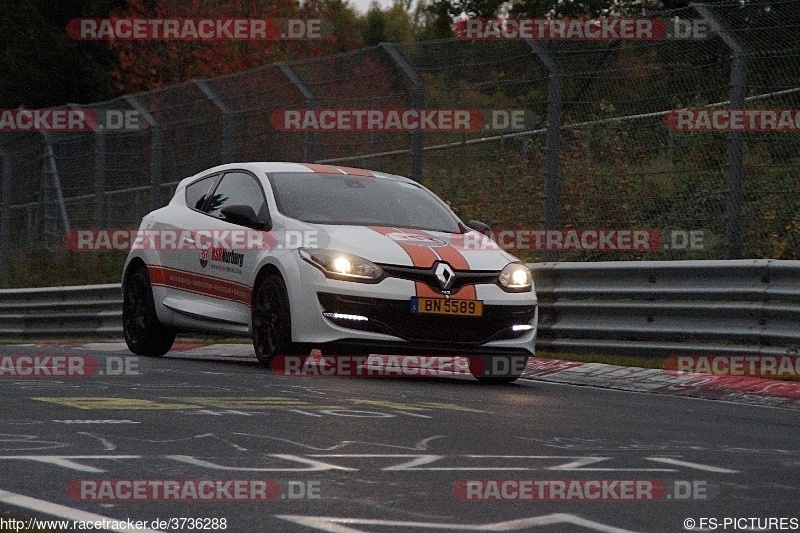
x=61, y=312
x=631, y=307
x=669, y=307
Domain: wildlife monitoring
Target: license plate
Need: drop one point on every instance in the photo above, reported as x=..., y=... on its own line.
x=440, y=306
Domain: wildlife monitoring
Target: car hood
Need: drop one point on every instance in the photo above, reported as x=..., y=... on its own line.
x=413, y=247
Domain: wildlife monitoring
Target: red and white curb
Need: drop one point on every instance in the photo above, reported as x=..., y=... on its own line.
x=737, y=389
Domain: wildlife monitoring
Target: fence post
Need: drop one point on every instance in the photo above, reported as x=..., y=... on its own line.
x=56, y=180
x=100, y=210
x=310, y=139
x=156, y=147
x=5, y=201
x=418, y=96
x=552, y=169
x=227, y=121
x=736, y=96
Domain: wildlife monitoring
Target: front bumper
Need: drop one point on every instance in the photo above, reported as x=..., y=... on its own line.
x=394, y=317
x=392, y=327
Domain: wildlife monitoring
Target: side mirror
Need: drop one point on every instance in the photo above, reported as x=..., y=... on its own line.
x=480, y=227
x=243, y=215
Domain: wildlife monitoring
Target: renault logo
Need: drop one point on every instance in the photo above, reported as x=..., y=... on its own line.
x=444, y=273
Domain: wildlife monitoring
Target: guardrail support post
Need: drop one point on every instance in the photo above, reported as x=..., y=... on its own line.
x=310, y=139
x=737, y=94
x=552, y=171
x=418, y=96
x=227, y=121
x=156, y=147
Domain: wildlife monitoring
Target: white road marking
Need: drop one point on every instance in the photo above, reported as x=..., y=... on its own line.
x=697, y=466
x=61, y=511
x=340, y=525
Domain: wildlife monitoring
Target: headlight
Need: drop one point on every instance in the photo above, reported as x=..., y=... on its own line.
x=340, y=265
x=515, y=277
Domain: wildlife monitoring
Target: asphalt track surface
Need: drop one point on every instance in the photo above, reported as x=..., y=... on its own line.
x=388, y=454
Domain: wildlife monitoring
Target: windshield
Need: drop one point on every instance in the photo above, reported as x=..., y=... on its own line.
x=343, y=199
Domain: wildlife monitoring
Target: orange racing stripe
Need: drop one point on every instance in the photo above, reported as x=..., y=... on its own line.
x=456, y=260
x=323, y=169
x=421, y=256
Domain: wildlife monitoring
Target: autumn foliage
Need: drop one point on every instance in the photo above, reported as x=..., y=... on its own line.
x=144, y=65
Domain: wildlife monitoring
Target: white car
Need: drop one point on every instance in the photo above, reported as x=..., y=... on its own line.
x=349, y=261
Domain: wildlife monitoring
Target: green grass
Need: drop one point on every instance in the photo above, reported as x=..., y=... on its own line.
x=618, y=360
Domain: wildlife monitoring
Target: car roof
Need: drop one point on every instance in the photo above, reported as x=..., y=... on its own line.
x=264, y=167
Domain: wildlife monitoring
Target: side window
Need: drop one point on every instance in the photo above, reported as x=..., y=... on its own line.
x=197, y=192
x=238, y=188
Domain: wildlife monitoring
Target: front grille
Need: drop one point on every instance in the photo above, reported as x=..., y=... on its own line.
x=394, y=317
x=428, y=276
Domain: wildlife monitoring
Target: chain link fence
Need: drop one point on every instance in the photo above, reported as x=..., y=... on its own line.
x=595, y=151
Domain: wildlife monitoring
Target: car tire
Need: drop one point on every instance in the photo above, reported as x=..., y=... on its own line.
x=144, y=333
x=489, y=372
x=271, y=326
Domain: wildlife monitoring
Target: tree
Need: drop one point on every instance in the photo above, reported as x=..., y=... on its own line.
x=397, y=24
x=40, y=66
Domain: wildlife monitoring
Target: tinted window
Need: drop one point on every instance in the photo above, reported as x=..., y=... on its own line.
x=342, y=199
x=237, y=188
x=197, y=192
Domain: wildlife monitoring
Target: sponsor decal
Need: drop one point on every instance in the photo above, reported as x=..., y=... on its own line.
x=416, y=239
x=221, y=255
x=200, y=284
